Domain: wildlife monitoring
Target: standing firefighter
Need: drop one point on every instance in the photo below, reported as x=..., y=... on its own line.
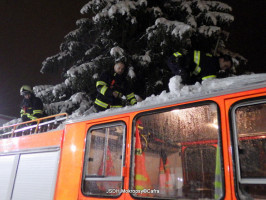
x=111, y=87
x=31, y=106
x=198, y=66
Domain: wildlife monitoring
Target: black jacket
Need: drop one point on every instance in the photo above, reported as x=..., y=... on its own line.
x=185, y=66
x=31, y=108
x=108, y=83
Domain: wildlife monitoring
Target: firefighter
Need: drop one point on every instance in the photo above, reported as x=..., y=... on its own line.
x=31, y=106
x=111, y=87
x=198, y=66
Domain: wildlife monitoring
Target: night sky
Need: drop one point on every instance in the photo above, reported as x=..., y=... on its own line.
x=31, y=30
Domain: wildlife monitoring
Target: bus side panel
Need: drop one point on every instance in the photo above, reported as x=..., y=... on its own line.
x=29, y=166
x=70, y=169
x=52, y=138
x=36, y=175
x=8, y=165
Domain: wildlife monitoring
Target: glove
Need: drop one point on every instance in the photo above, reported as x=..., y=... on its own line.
x=25, y=118
x=29, y=110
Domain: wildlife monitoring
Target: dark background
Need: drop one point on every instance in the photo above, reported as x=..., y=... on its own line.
x=248, y=32
x=32, y=30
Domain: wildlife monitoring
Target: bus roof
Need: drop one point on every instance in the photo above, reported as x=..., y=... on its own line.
x=180, y=94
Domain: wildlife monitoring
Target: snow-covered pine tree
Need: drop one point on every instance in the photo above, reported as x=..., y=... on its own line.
x=144, y=32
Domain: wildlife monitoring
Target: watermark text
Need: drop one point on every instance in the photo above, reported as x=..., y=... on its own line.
x=144, y=191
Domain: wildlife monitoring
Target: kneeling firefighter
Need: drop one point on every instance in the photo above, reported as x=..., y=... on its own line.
x=111, y=86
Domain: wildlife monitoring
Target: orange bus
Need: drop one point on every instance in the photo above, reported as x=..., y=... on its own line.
x=204, y=147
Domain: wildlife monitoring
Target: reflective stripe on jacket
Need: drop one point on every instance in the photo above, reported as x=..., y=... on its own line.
x=31, y=108
x=194, y=66
x=108, y=83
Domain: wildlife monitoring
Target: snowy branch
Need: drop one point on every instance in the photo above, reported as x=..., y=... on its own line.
x=208, y=31
x=175, y=28
x=123, y=8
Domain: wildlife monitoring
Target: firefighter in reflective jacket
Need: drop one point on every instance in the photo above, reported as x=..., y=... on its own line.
x=111, y=87
x=31, y=106
x=198, y=66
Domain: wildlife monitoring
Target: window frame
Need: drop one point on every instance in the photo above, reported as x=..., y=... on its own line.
x=167, y=109
x=234, y=139
x=86, y=155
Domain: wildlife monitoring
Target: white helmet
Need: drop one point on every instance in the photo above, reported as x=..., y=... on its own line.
x=25, y=89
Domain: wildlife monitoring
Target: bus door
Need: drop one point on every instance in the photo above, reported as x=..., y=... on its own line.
x=104, y=161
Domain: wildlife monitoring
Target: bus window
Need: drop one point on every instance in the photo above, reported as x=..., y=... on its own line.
x=104, y=160
x=250, y=149
x=176, y=154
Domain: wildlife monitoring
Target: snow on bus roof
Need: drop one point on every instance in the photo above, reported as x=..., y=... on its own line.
x=181, y=93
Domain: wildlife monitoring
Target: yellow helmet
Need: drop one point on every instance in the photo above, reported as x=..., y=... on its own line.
x=25, y=89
